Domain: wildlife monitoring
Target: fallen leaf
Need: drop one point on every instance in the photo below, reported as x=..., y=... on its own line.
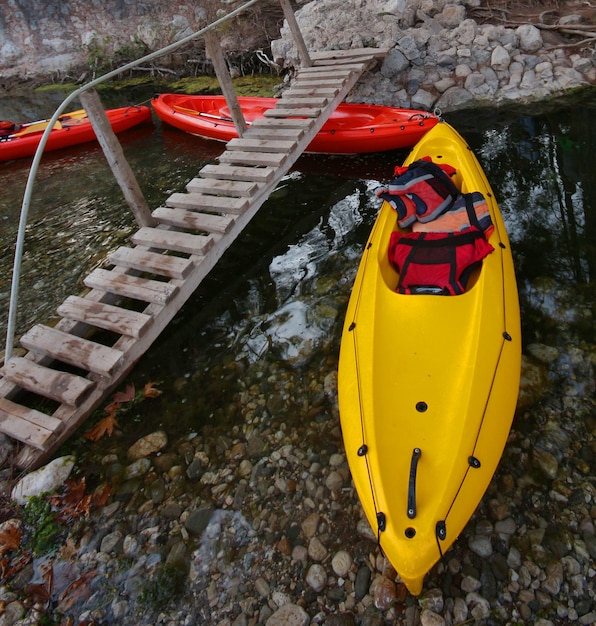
x=73, y=502
x=8, y=570
x=78, y=590
x=42, y=592
x=128, y=395
x=104, y=427
x=10, y=536
x=101, y=495
x=150, y=391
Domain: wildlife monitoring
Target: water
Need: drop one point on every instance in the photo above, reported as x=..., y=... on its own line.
x=274, y=305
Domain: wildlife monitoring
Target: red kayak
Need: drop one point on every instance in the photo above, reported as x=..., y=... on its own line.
x=351, y=129
x=21, y=140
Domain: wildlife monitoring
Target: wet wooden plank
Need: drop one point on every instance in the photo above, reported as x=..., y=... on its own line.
x=235, y=172
x=193, y=220
x=106, y=316
x=81, y=353
x=27, y=425
x=207, y=185
x=59, y=386
x=165, y=239
x=240, y=157
x=299, y=123
x=269, y=132
x=146, y=261
x=204, y=202
x=307, y=92
x=296, y=112
x=348, y=55
x=247, y=144
x=135, y=287
x=310, y=101
x=335, y=73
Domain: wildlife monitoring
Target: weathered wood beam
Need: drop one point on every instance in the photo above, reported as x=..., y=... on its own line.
x=225, y=80
x=116, y=160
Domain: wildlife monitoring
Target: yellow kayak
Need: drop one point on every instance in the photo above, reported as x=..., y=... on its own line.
x=428, y=384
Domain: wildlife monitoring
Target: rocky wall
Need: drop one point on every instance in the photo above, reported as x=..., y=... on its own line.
x=52, y=38
x=440, y=57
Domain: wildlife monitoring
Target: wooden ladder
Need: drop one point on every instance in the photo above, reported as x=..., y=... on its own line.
x=68, y=369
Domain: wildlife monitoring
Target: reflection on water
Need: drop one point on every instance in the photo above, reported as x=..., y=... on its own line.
x=275, y=302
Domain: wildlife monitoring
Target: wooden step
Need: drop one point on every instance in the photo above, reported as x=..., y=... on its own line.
x=296, y=112
x=240, y=188
x=283, y=122
x=59, y=386
x=238, y=157
x=146, y=261
x=336, y=72
x=135, y=287
x=27, y=425
x=348, y=55
x=313, y=82
x=271, y=132
x=311, y=101
x=76, y=351
x=106, y=316
x=235, y=172
x=203, y=202
x=307, y=92
x=260, y=145
x=193, y=220
x=165, y=239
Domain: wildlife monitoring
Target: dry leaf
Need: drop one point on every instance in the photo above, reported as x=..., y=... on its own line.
x=78, y=590
x=105, y=426
x=150, y=391
x=128, y=395
x=101, y=495
x=7, y=572
x=10, y=536
x=41, y=593
x=73, y=503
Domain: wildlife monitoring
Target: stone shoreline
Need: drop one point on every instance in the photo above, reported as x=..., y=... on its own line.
x=260, y=525
x=439, y=57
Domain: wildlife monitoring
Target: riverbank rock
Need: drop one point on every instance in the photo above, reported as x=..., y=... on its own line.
x=44, y=480
x=440, y=57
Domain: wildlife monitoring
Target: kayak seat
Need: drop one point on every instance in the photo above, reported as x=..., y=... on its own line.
x=436, y=263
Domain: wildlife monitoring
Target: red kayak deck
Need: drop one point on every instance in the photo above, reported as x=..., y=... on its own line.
x=351, y=129
x=70, y=129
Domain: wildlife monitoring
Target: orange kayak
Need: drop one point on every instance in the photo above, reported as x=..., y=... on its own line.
x=351, y=129
x=21, y=140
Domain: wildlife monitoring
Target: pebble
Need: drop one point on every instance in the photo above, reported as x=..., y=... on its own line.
x=430, y=618
x=316, y=550
x=481, y=545
x=289, y=615
x=384, y=592
x=148, y=445
x=316, y=577
x=341, y=563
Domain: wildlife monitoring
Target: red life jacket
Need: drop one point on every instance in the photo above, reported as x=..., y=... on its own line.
x=436, y=263
x=422, y=191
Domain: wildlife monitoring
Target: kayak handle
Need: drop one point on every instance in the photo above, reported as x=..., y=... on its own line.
x=416, y=453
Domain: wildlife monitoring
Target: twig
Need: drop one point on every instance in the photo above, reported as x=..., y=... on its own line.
x=572, y=45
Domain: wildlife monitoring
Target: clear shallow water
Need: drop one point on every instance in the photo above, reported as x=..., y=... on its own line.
x=274, y=304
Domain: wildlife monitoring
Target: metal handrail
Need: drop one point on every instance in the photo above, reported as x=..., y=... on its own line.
x=14, y=290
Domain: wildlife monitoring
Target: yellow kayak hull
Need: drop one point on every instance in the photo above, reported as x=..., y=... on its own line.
x=434, y=374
